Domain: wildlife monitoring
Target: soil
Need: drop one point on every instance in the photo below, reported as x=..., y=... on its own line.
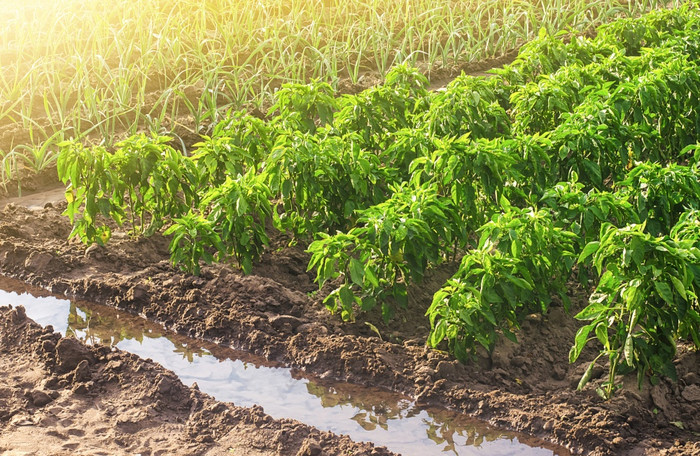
x=61, y=397
x=276, y=312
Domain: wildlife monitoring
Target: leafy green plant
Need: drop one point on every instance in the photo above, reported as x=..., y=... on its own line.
x=539, y=106
x=473, y=105
x=375, y=113
x=230, y=222
x=320, y=182
x=472, y=174
x=647, y=298
x=43, y=156
x=664, y=99
x=193, y=239
x=583, y=213
x=649, y=30
x=144, y=181
x=548, y=52
x=393, y=244
x=407, y=144
x=238, y=143
x=522, y=259
x=593, y=145
x=87, y=173
x=661, y=193
x=9, y=170
x=303, y=107
x=240, y=210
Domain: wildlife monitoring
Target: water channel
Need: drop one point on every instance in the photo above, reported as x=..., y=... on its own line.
x=365, y=414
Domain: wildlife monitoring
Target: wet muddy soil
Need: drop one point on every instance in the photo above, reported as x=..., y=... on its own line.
x=360, y=412
x=276, y=313
x=61, y=397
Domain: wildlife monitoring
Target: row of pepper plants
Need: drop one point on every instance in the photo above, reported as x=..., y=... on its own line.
x=575, y=162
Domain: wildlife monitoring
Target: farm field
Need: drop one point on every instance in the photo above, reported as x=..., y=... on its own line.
x=522, y=247
x=177, y=67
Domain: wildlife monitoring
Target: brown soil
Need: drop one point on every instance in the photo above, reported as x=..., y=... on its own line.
x=60, y=397
x=274, y=313
x=442, y=76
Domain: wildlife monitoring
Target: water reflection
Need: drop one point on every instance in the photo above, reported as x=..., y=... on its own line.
x=449, y=432
x=105, y=326
x=365, y=414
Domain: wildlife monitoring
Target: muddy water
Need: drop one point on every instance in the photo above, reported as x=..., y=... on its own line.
x=364, y=414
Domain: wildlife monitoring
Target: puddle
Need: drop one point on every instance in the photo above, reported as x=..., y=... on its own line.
x=365, y=414
x=37, y=200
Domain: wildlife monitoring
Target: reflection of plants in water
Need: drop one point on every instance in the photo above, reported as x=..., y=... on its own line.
x=94, y=327
x=188, y=352
x=444, y=428
x=443, y=433
x=370, y=421
x=446, y=432
x=110, y=328
x=376, y=411
x=373, y=413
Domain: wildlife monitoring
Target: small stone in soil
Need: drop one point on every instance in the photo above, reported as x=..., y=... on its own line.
x=80, y=388
x=558, y=373
x=70, y=353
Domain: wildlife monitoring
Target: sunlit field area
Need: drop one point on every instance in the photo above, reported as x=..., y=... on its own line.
x=102, y=70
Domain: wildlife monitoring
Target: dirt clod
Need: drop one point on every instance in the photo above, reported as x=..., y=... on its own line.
x=310, y=448
x=70, y=353
x=81, y=372
x=692, y=393
x=40, y=398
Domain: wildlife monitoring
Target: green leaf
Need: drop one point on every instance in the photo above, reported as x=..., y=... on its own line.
x=580, y=342
x=678, y=424
x=509, y=335
x=680, y=288
x=665, y=292
x=247, y=265
x=438, y=333
x=601, y=331
x=374, y=329
x=368, y=303
x=286, y=188
x=589, y=249
x=371, y=277
x=592, y=311
x=346, y=297
x=593, y=170
x=522, y=283
x=357, y=272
